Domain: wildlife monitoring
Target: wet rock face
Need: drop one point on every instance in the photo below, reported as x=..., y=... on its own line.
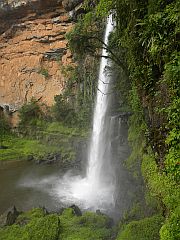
x=33, y=50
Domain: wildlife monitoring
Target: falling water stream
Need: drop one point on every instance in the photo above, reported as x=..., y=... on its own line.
x=97, y=188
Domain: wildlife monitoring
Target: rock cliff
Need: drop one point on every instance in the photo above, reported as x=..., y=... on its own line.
x=33, y=50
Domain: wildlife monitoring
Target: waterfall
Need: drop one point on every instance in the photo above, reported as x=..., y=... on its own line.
x=100, y=138
x=96, y=189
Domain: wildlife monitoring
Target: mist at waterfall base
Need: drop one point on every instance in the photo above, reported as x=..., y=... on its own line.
x=108, y=148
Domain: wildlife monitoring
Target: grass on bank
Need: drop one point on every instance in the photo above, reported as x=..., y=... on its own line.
x=59, y=128
x=21, y=148
x=54, y=138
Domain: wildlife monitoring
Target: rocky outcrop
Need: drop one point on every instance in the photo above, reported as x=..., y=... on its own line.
x=76, y=210
x=9, y=217
x=71, y=4
x=33, y=51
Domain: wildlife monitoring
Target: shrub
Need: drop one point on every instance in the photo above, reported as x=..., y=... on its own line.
x=4, y=129
x=30, y=113
x=63, y=111
x=36, y=226
x=44, y=72
x=145, y=229
x=14, y=232
x=170, y=230
x=46, y=228
x=89, y=226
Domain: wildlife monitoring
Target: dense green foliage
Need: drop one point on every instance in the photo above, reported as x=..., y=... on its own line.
x=170, y=230
x=37, y=225
x=4, y=129
x=33, y=225
x=74, y=106
x=161, y=186
x=30, y=113
x=171, y=77
x=86, y=36
x=89, y=226
x=63, y=110
x=147, y=36
x=146, y=229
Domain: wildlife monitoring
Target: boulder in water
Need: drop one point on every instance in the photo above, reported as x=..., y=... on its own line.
x=9, y=217
x=76, y=210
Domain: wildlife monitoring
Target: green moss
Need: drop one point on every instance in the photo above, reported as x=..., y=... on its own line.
x=136, y=133
x=21, y=148
x=53, y=137
x=36, y=225
x=170, y=230
x=14, y=232
x=89, y=226
x=94, y=220
x=30, y=215
x=160, y=185
x=58, y=127
x=46, y=228
x=145, y=229
x=33, y=225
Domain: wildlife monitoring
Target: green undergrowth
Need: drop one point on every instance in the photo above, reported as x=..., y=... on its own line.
x=21, y=148
x=38, y=225
x=37, y=228
x=89, y=226
x=170, y=230
x=49, y=138
x=59, y=128
x=162, y=187
x=145, y=229
x=167, y=191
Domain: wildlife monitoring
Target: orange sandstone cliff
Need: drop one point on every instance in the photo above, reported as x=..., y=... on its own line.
x=33, y=51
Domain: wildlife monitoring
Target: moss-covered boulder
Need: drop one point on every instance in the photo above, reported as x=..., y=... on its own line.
x=145, y=229
x=38, y=224
x=44, y=228
x=171, y=229
x=89, y=226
